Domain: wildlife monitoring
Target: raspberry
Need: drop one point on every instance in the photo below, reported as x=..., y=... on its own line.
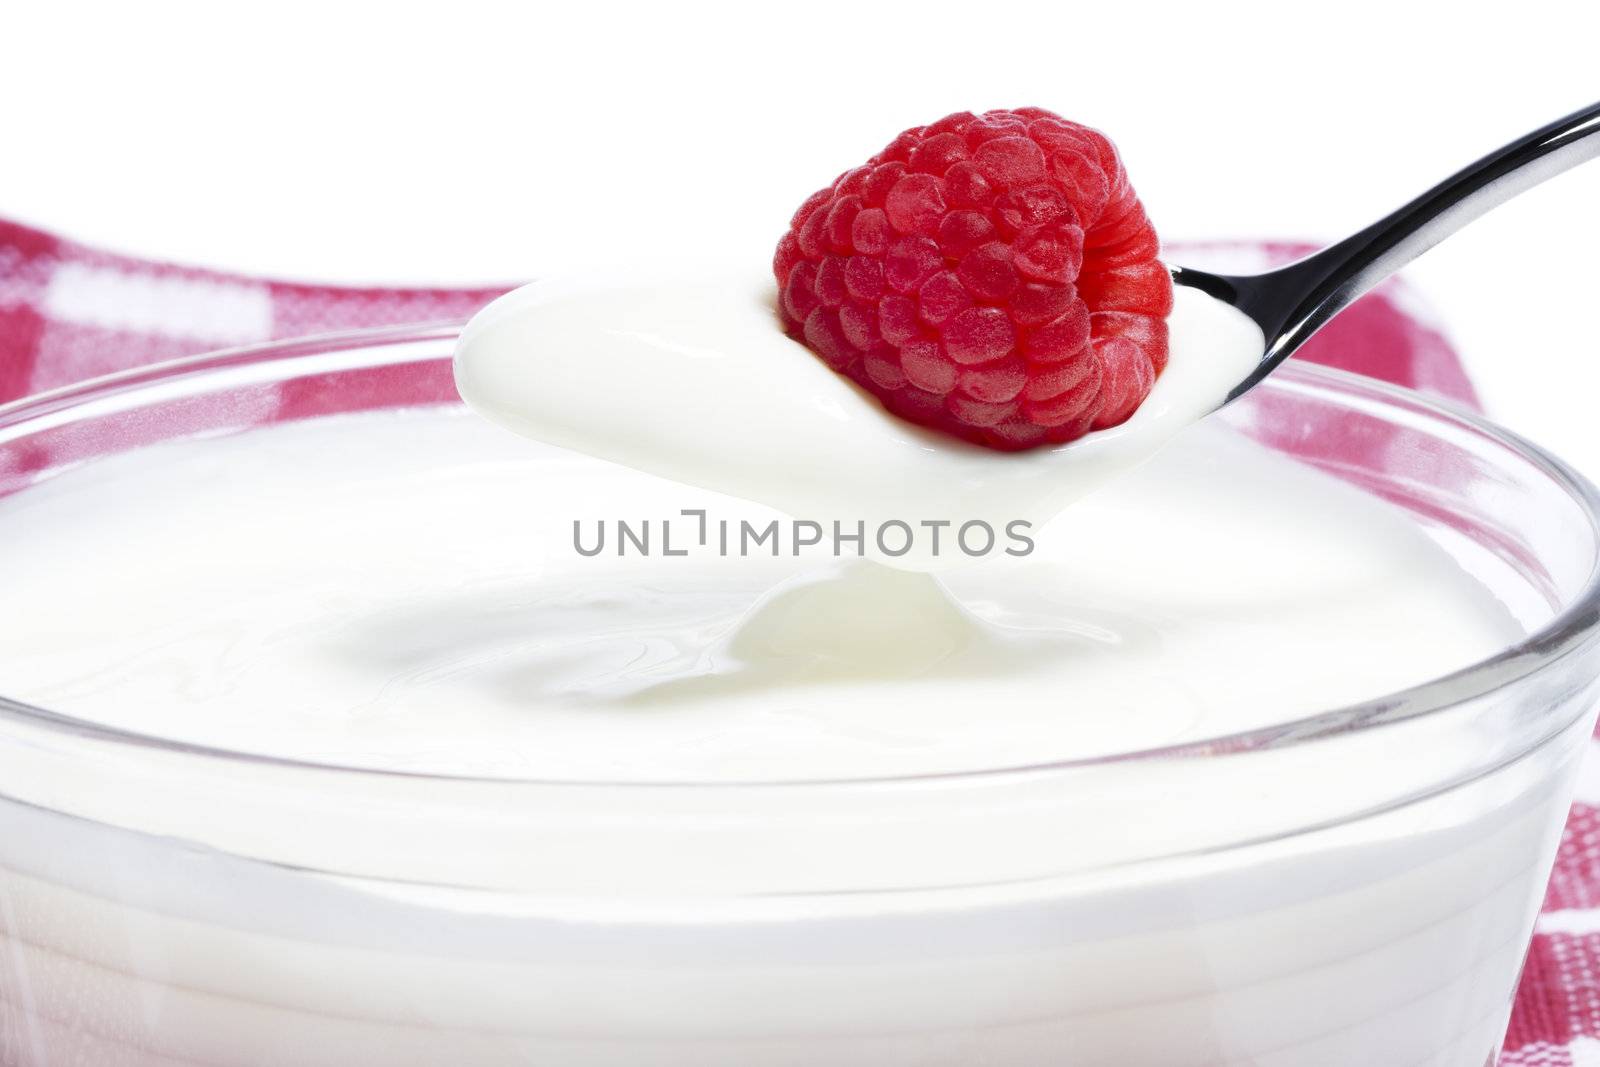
x=993, y=276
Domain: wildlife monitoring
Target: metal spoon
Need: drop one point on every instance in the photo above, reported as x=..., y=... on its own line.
x=1293, y=302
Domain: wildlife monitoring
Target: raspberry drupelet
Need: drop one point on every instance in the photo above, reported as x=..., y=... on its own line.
x=993, y=276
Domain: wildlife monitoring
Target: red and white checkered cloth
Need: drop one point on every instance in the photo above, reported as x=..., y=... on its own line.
x=70, y=312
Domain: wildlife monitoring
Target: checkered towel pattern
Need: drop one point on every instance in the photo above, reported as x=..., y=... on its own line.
x=70, y=312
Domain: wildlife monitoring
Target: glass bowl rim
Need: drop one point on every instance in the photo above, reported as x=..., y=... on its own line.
x=1573, y=629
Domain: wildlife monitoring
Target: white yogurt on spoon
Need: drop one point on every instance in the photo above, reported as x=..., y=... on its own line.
x=694, y=380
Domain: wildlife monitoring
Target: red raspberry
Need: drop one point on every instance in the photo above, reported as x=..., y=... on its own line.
x=993, y=276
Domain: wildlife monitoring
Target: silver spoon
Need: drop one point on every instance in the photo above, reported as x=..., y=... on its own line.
x=1293, y=302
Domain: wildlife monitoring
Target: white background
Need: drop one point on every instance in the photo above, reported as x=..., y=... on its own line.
x=460, y=142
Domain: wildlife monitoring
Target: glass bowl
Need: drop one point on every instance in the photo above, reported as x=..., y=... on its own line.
x=166, y=903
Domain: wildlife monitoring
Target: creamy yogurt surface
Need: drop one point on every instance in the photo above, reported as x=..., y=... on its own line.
x=410, y=590
x=401, y=590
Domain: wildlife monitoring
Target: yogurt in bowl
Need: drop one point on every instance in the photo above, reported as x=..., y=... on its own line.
x=326, y=741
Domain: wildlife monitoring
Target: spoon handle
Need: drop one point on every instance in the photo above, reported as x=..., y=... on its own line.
x=1291, y=303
